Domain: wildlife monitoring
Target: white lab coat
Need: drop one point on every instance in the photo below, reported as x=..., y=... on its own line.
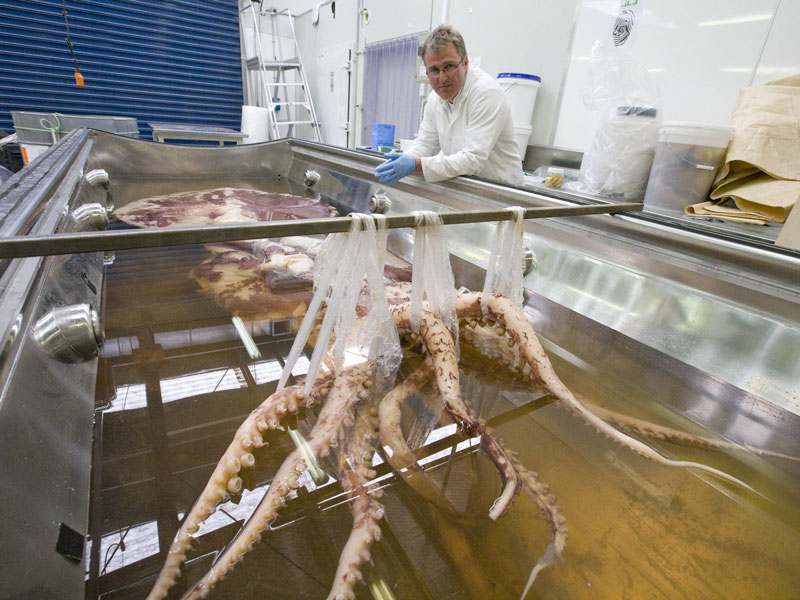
x=472, y=136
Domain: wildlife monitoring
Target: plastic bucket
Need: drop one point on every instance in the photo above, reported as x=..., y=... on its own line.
x=382, y=135
x=255, y=124
x=688, y=156
x=521, y=89
x=522, y=134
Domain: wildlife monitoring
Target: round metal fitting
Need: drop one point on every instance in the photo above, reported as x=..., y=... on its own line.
x=97, y=177
x=311, y=178
x=91, y=215
x=70, y=333
x=530, y=261
x=379, y=203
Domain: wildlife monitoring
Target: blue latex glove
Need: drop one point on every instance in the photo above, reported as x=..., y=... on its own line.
x=397, y=166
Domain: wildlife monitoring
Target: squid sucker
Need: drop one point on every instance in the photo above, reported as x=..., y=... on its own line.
x=355, y=420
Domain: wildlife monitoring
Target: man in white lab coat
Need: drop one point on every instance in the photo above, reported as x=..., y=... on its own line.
x=467, y=128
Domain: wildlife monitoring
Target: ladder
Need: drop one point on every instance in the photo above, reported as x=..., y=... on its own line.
x=281, y=84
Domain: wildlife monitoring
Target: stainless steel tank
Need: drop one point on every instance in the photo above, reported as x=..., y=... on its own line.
x=120, y=382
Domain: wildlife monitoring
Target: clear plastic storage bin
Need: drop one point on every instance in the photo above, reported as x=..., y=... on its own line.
x=688, y=156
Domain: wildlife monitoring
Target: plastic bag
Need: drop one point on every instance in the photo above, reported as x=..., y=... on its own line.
x=378, y=335
x=342, y=260
x=504, y=271
x=432, y=276
x=328, y=281
x=618, y=161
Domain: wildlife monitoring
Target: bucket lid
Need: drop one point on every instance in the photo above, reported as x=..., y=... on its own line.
x=520, y=76
x=702, y=134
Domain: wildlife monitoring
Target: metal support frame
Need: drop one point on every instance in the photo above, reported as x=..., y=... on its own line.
x=70, y=243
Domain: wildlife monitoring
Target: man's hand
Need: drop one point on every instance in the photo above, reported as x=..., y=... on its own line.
x=397, y=166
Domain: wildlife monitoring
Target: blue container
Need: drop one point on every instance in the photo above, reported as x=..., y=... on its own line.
x=382, y=135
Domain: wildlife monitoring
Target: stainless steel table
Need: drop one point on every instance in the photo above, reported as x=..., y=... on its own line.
x=177, y=131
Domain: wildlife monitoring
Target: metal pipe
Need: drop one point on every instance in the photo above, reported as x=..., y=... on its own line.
x=71, y=243
x=313, y=8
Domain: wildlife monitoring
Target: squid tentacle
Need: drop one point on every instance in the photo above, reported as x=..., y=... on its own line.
x=403, y=459
x=493, y=327
x=517, y=326
x=661, y=432
x=490, y=341
x=335, y=414
x=355, y=472
x=439, y=345
x=225, y=480
x=539, y=492
x=446, y=519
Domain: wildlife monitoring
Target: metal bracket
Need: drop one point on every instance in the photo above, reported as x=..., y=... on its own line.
x=311, y=178
x=71, y=333
x=379, y=203
x=92, y=216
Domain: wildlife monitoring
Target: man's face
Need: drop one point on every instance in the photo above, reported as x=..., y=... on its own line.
x=447, y=72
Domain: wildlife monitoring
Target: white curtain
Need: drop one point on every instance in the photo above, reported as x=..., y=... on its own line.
x=391, y=94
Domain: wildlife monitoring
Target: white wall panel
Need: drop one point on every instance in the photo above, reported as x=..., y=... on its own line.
x=700, y=53
x=521, y=37
x=781, y=56
x=506, y=35
x=389, y=20
x=332, y=27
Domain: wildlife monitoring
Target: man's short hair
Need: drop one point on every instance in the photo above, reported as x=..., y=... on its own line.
x=440, y=37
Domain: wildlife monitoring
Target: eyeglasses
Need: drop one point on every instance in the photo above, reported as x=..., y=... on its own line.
x=446, y=69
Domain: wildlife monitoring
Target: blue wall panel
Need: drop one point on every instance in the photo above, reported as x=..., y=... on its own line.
x=156, y=60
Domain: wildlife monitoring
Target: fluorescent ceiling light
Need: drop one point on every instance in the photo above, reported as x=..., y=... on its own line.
x=736, y=20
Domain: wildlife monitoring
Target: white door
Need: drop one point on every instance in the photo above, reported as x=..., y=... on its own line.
x=332, y=94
